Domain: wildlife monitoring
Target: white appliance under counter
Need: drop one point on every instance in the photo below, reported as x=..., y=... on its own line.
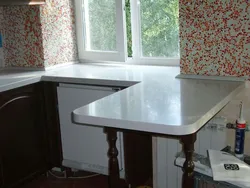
x=78, y=153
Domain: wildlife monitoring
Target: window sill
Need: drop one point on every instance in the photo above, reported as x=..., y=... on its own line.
x=146, y=61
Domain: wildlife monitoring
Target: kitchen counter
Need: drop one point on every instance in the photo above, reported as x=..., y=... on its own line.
x=158, y=102
x=77, y=74
x=104, y=75
x=153, y=101
x=11, y=79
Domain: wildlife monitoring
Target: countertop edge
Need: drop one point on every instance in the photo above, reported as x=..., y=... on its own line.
x=161, y=128
x=221, y=78
x=21, y=83
x=89, y=81
x=147, y=126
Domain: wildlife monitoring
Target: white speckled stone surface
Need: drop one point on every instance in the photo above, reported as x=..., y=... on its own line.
x=154, y=100
x=11, y=79
x=158, y=102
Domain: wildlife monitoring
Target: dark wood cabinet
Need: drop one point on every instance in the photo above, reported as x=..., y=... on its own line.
x=1, y=173
x=138, y=158
x=22, y=2
x=23, y=145
x=52, y=125
x=137, y=146
x=30, y=138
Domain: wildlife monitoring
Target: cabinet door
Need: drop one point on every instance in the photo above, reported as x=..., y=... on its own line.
x=1, y=173
x=21, y=135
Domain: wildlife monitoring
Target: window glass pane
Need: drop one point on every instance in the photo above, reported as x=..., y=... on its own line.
x=159, y=28
x=100, y=25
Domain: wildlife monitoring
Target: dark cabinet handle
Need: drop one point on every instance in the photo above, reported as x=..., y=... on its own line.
x=13, y=100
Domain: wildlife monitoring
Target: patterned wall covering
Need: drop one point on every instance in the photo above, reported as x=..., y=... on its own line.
x=58, y=29
x=1, y=18
x=39, y=36
x=1, y=40
x=215, y=37
x=23, y=36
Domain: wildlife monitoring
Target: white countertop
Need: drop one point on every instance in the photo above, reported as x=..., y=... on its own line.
x=158, y=102
x=93, y=75
x=76, y=74
x=154, y=100
x=11, y=79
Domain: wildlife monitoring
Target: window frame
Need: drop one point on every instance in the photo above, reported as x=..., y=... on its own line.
x=137, y=42
x=121, y=56
x=121, y=38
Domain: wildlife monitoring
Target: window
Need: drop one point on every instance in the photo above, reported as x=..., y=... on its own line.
x=131, y=31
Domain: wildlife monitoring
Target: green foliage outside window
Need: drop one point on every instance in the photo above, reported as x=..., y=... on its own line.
x=159, y=27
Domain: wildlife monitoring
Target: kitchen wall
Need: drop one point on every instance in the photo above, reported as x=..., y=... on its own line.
x=58, y=32
x=166, y=174
x=23, y=45
x=215, y=37
x=1, y=18
x=1, y=49
x=39, y=36
x=214, y=40
x=213, y=135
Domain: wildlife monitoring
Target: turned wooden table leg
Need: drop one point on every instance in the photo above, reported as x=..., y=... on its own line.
x=114, y=175
x=188, y=167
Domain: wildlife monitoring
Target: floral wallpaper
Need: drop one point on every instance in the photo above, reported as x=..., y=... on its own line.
x=22, y=36
x=58, y=29
x=39, y=36
x=1, y=18
x=1, y=38
x=215, y=37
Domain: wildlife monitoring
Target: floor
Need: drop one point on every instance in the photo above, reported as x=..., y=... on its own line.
x=51, y=182
x=79, y=180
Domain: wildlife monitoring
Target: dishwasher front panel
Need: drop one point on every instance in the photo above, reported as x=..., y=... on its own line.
x=84, y=147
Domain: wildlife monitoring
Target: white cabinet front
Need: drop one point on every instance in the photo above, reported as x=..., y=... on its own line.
x=84, y=147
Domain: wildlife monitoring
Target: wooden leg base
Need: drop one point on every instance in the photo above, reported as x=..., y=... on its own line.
x=114, y=176
x=188, y=167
